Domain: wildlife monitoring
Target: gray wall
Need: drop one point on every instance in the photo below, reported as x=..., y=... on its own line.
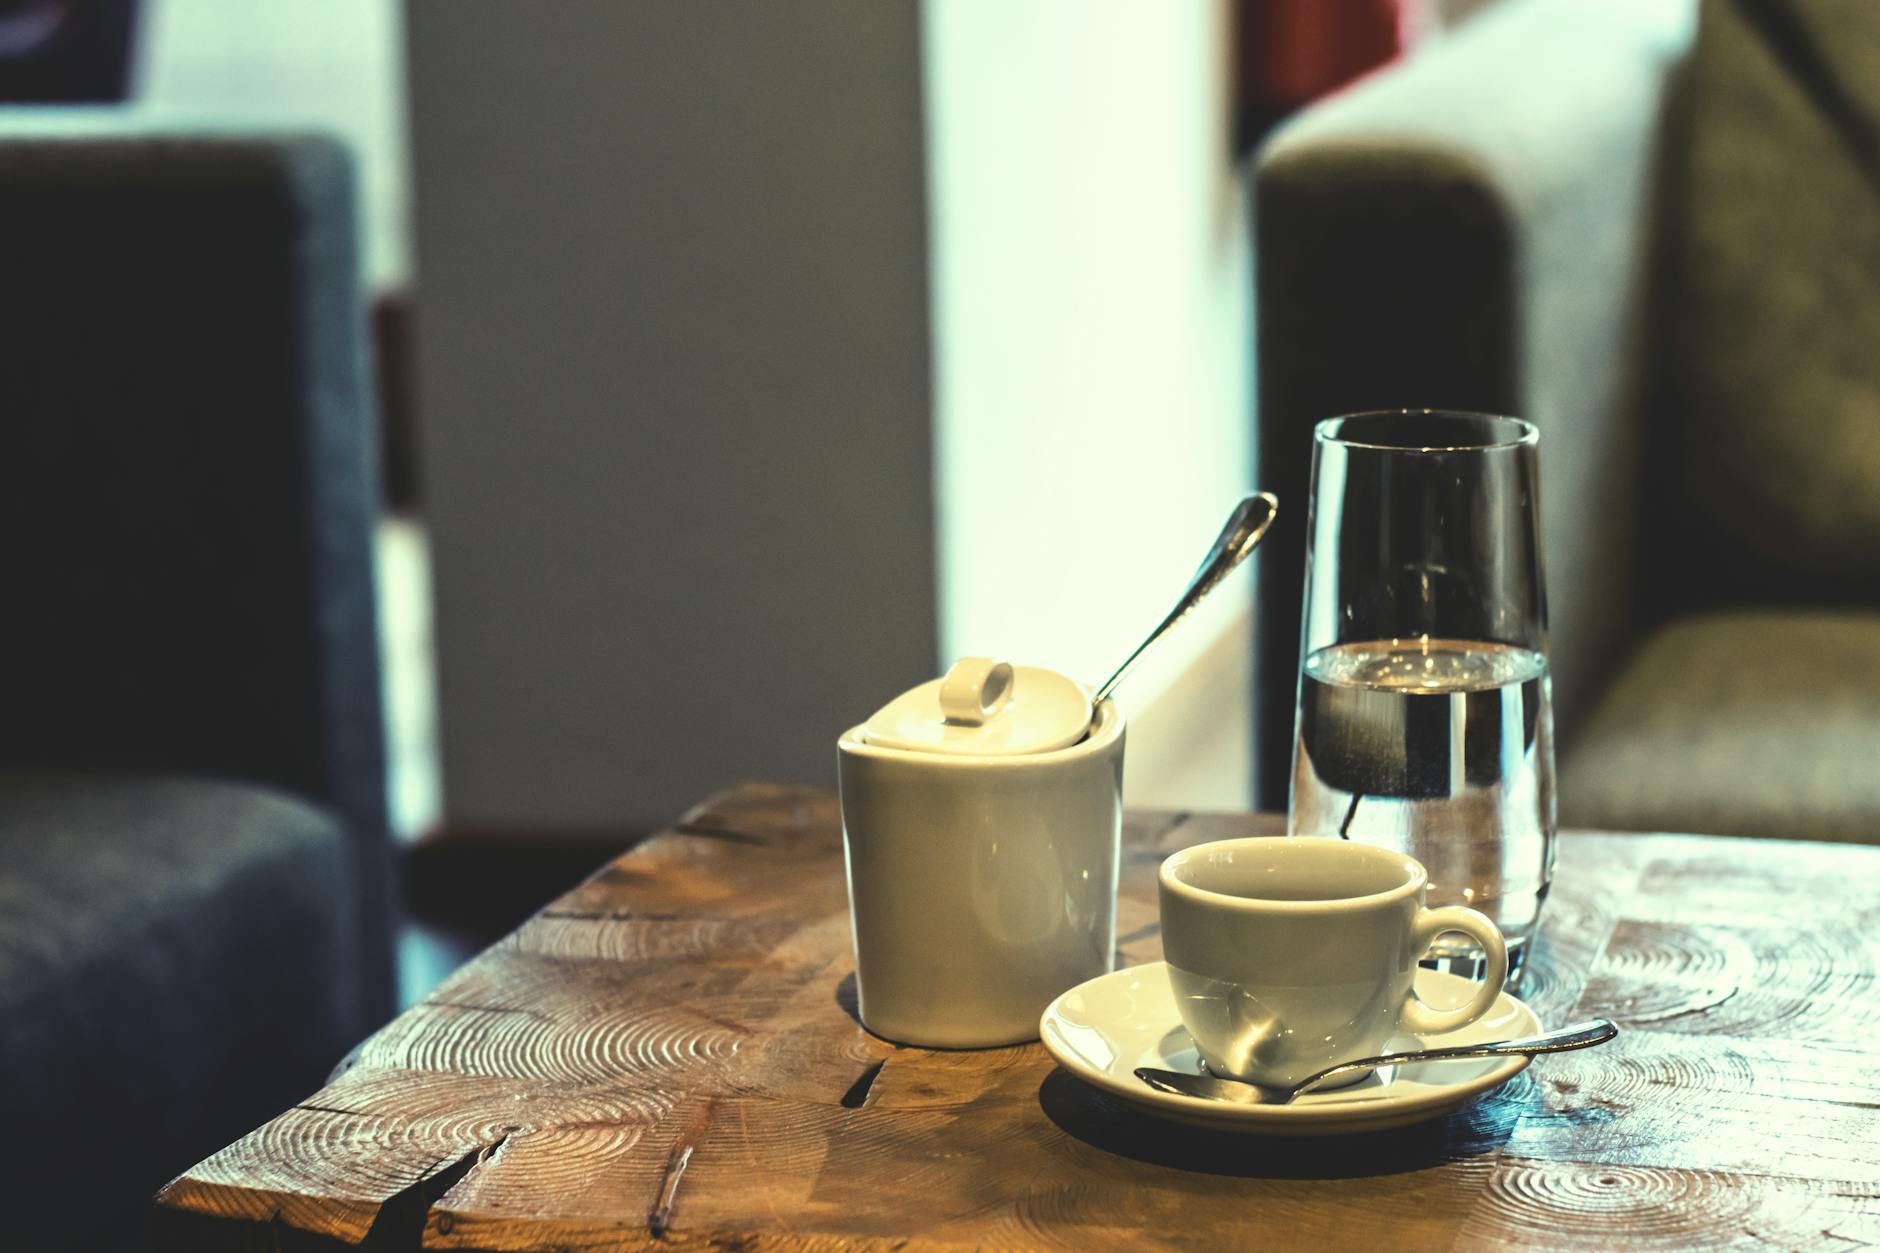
x=673, y=352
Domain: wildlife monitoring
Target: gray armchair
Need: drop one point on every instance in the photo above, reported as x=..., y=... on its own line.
x=1665, y=251
x=194, y=878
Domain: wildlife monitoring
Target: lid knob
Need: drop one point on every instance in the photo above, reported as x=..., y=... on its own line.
x=975, y=689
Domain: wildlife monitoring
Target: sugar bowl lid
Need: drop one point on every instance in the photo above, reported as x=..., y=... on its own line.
x=984, y=708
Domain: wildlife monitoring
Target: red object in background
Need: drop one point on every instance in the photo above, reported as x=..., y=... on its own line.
x=1288, y=53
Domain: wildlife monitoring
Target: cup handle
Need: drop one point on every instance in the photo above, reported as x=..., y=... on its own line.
x=1419, y=1018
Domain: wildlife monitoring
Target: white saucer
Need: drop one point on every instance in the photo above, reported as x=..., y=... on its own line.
x=1102, y=1030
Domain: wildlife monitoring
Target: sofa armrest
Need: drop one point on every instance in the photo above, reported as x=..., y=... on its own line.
x=188, y=482
x=1469, y=230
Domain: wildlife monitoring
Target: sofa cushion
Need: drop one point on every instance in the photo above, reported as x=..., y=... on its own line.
x=1763, y=723
x=1772, y=311
x=178, y=960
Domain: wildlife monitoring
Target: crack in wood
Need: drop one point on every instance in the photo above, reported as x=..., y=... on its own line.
x=399, y=1224
x=495, y=1149
x=1175, y=824
x=1654, y=1019
x=712, y=831
x=729, y=1024
x=857, y=1095
x=536, y=1014
x=329, y=1109
x=1832, y=1234
x=1152, y=852
x=1829, y=1100
x=659, y=1218
x=1594, y=1113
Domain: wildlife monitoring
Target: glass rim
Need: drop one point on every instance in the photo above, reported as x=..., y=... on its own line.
x=1522, y=433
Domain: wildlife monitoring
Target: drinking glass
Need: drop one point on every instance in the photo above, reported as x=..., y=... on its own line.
x=1425, y=717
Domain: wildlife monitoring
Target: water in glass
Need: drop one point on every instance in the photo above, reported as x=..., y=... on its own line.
x=1441, y=749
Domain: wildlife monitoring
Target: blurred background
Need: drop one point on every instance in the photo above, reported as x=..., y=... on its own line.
x=735, y=367
x=450, y=438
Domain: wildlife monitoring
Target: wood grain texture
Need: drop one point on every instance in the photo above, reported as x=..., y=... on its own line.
x=668, y=1055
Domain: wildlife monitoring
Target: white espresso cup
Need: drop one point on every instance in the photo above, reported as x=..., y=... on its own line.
x=1289, y=955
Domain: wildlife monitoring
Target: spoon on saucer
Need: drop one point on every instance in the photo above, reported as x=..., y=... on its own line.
x=1580, y=1035
x=1244, y=530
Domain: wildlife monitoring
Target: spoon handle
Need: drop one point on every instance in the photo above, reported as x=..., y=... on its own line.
x=1244, y=530
x=1580, y=1035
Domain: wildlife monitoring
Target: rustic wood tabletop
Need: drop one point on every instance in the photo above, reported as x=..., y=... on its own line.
x=669, y=1053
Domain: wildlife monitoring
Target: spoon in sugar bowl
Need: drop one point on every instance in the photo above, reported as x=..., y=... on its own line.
x=1245, y=528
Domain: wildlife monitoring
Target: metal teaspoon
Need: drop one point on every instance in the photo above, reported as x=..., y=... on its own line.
x=1246, y=526
x=1580, y=1035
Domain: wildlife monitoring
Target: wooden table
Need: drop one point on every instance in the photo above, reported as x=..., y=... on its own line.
x=669, y=1054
